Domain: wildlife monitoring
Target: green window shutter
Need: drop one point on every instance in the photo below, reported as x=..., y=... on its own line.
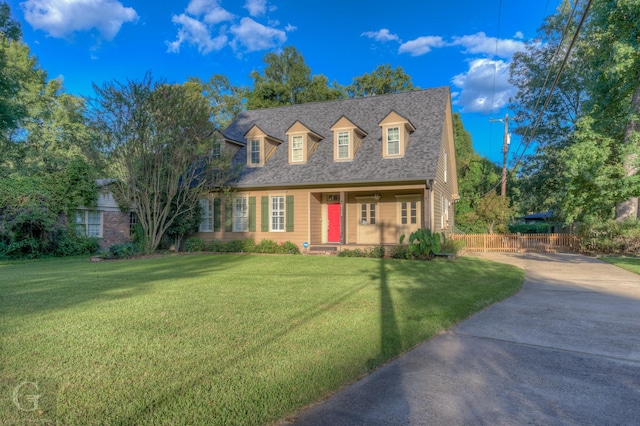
x=228, y=216
x=216, y=215
x=264, y=213
x=289, y=213
x=252, y=214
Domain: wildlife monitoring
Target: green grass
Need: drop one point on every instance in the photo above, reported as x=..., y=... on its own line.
x=218, y=339
x=629, y=263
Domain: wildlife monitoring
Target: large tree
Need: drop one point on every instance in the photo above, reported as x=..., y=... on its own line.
x=225, y=100
x=158, y=141
x=383, y=79
x=614, y=106
x=592, y=110
x=287, y=80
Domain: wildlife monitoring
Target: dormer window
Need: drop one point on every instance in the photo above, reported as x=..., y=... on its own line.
x=260, y=146
x=395, y=135
x=393, y=141
x=343, y=146
x=255, y=152
x=297, y=149
x=347, y=138
x=302, y=142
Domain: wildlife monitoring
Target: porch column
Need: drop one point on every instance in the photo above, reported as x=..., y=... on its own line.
x=426, y=209
x=343, y=217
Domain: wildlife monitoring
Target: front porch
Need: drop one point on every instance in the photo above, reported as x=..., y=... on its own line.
x=366, y=217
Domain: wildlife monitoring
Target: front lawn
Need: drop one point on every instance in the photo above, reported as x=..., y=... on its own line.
x=217, y=339
x=629, y=263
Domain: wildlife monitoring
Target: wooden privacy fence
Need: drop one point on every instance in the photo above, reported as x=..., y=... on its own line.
x=519, y=243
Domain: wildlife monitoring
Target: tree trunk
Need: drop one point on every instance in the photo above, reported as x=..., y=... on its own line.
x=629, y=208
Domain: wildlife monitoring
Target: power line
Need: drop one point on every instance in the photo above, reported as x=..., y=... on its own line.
x=530, y=135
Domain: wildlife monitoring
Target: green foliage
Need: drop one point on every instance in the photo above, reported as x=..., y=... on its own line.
x=69, y=243
x=246, y=245
x=451, y=246
x=423, y=244
x=194, y=244
x=269, y=246
x=610, y=236
x=225, y=100
x=287, y=80
x=400, y=252
x=382, y=80
x=122, y=251
x=376, y=252
x=476, y=177
x=534, y=228
x=158, y=140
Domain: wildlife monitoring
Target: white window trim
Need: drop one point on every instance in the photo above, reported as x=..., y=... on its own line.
x=206, y=205
x=281, y=213
x=389, y=154
x=445, y=166
x=294, y=150
x=85, y=222
x=251, y=152
x=236, y=228
x=348, y=145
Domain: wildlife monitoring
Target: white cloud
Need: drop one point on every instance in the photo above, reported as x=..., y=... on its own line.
x=60, y=18
x=254, y=36
x=257, y=7
x=518, y=35
x=196, y=33
x=480, y=43
x=382, y=35
x=210, y=9
x=477, y=86
x=198, y=27
x=421, y=45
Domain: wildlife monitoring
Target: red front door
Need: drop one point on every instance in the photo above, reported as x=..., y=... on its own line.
x=333, y=223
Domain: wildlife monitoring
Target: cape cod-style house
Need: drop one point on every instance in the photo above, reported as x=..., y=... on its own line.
x=349, y=172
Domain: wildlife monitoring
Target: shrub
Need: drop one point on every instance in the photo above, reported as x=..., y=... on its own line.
x=377, y=252
x=423, y=244
x=351, y=253
x=451, y=246
x=122, y=251
x=71, y=244
x=399, y=252
x=215, y=246
x=194, y=244
x=267, y=246
x=612, y=237
x=289, y=248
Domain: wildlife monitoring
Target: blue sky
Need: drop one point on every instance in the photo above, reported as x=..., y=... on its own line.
x=442, y=43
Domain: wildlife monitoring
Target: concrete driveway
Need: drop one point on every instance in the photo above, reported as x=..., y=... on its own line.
x=563, y=351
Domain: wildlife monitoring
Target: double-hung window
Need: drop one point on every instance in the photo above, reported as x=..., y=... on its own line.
x=89, y=223
x=206, y=219
x=240, y=214
x=393, y=141
x=255, y=152
x=297, y=154
x=277, y=213
x=343, y=145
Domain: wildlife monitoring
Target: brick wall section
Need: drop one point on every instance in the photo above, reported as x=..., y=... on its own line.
x=115, y=229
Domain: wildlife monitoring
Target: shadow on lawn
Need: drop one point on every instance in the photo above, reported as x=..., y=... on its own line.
x=50, y=285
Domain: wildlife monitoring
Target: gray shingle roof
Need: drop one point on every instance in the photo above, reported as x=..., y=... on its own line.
x=425, y=109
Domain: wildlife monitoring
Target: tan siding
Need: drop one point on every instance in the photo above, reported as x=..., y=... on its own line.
x=352, y=220
x=315, y=217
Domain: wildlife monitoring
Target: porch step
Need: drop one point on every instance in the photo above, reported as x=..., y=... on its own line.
x=322, y=250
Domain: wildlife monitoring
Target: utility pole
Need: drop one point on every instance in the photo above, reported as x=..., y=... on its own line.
x=505, y=150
